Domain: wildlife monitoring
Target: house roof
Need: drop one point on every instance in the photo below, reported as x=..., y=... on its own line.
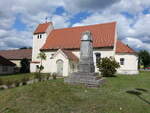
x=122, y=48
x=5, y=62
x=42, y=28
x=70, y=55
x=69, y=38
x=17, y=54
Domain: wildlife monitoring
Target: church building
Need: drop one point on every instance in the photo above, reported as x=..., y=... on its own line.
x=62, y=48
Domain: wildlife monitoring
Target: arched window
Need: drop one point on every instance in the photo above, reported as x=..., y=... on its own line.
x=98, y=57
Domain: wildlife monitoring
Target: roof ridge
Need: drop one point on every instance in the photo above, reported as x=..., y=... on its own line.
x=113, y=22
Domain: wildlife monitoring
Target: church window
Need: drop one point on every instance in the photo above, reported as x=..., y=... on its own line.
x=122, y=61
x=40, y=36
x=98, y=57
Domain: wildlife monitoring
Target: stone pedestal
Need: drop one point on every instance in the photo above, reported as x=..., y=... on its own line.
x=87, y=79
x=86, y=71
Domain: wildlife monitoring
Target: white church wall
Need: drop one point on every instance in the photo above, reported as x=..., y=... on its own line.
x=105, y=52
x=50, y=65
x=37, y=45
x=130, y=63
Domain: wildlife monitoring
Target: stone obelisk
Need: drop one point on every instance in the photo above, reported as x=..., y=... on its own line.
x=86, y=63
x=86, y=71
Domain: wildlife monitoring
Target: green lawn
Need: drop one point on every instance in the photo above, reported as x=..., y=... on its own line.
x=122, y=94
x=16, y=76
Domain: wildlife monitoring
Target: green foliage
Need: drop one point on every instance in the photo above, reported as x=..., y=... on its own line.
x=48, y=75
x=54, y=75
x=144, y=58
x=25, y=66
x=41, y=56
x=24, y=80
x=17, y=83
x=55, y=96
x=108, y=66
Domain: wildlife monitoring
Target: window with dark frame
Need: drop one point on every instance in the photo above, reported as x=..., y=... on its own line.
x=40, y=36
x=98, y=57
x=122, y=61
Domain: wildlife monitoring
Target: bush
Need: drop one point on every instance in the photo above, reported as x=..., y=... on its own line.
x=17, y=83
x=24, y=80
x=54, y=75
x=38, y=76
x=48, y=76
x=108, y=66
x=25, y=66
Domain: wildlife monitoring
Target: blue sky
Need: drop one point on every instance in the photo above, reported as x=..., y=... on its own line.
x=19, y=19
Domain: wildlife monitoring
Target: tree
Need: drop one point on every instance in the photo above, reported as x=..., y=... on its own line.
x=144, y=58
x=41, y=56
x=108, y=66
x=25, y=66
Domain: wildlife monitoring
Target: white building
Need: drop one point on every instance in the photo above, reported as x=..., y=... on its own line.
x=61, y=47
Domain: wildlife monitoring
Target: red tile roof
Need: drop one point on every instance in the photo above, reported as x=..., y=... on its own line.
x=16, y=54
x=70, y=55
x=122, y=48
x=42, y=28
x=5, y=62
x=69, y=38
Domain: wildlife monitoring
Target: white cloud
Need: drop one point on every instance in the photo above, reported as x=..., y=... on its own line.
x=34, y=12
x=60, y=21
x=15, y=39
x=136, y=43
x=84, y=5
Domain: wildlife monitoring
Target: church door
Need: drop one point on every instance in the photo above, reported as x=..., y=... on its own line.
x=59, y=67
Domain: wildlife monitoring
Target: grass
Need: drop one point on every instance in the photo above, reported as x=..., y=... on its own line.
x=15, y=76
x=121, y=94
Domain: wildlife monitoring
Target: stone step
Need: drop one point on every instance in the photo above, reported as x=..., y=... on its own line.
x=92, y=85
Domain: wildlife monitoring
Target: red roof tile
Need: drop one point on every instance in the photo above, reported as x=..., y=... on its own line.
x=5, y=62
x=70, y=55
x=122, y=48
x=69, y=38
x=16, y=54
x=42, y=28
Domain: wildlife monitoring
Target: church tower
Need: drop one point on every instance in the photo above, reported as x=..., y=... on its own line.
x=39, y=37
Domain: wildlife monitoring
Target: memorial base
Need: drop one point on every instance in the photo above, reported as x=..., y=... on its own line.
x=87, y=79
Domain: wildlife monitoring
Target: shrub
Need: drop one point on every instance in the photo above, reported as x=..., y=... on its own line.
x=24, y=80
x=48, y=76
x=17, y=83
x=108, y=66
x=54, y=75
x=25, y=66
x=38, y=76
